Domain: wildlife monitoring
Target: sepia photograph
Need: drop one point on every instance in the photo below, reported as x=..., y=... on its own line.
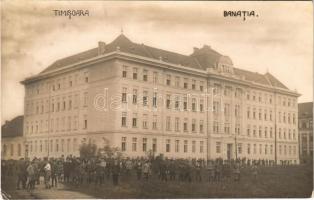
x=156, y=99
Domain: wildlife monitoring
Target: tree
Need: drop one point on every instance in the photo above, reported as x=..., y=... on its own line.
x=109, y=152
x=88, y=150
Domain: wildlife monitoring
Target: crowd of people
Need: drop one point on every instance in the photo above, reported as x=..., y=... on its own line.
x=97, y=170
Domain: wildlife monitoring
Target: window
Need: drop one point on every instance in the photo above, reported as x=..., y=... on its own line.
x=177, y=145
x=177, y=124
x=265, y=132
x=218, y=147
x=185, y=103
x=155, y=122
x=144, y=144
x=185, y=84
x=260, y=132
x=248, y=112
x=202, y=105
x=144, y=75
x=75, y=147
x=271, y=149
x=145, y=98
x=266, y=149
x=155, y=99
x=237, y=129
x=134, y=121
x=86, y=77
x=201, y=146
x=177, y=81
x=260, y=149
x=265, y=115
x=85, y=122
x=12, y=149
x=168, y=80
x=216, y=127
x=254, y=148
x=68, y=145
x=248, y=148
x=19, y=150
x=168, y=145
x=124, y=91
x=176, y=104
x=168, y=123
x=193, y=84
x=145, y=118
x=134, y=73
x=201, y=86
x=215, y=107
x=134, y=143
x=193, y=104
x=201, y=126
x=168, y=101
x=193, y=146
x=134, y=100
x=69, y=123
x=237, y=110
x=154, y=147
x=124, y=72
x=57, y=145
x=123, y=119
x=62, y=145
x=70, y=103
x=185, y=146
x=260, y=114
x=193, y=125
x=227, y=128
x=271, y=132
x=248, y=130
x=270, y=116
x=239, y=148
x=185, y=125
x=155, y=77
x=254, y=113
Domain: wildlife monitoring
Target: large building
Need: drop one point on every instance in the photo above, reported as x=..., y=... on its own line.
x=12, y=140
x=143, y=99
x=306, y=130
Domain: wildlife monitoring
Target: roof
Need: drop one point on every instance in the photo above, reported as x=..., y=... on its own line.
x=305, y=110
x=202, y=59
x=13, y=128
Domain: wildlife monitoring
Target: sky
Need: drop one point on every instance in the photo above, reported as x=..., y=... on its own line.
x=279, y=40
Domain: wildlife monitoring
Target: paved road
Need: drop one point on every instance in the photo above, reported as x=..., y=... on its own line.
x=54, y=193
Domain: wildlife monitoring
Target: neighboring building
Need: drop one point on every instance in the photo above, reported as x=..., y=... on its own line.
x=140, y=98
x=12, y=140
x=306, y=130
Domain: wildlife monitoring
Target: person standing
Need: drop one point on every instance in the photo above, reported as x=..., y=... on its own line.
x=115, y=172
x=254, y=171
x=146, y=170
x=30, y=177
x=47, y=170
x=54, y=174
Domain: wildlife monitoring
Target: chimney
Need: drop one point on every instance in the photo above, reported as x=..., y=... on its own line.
x=101, y=47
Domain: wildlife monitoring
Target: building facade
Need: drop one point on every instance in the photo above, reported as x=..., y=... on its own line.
x=12, y=140
x=143, y=99
x=306, y=131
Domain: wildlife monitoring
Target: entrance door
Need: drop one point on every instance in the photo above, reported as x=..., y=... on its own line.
x=229, y=151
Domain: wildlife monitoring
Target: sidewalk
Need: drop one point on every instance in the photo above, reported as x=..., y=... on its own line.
x=54, y=193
